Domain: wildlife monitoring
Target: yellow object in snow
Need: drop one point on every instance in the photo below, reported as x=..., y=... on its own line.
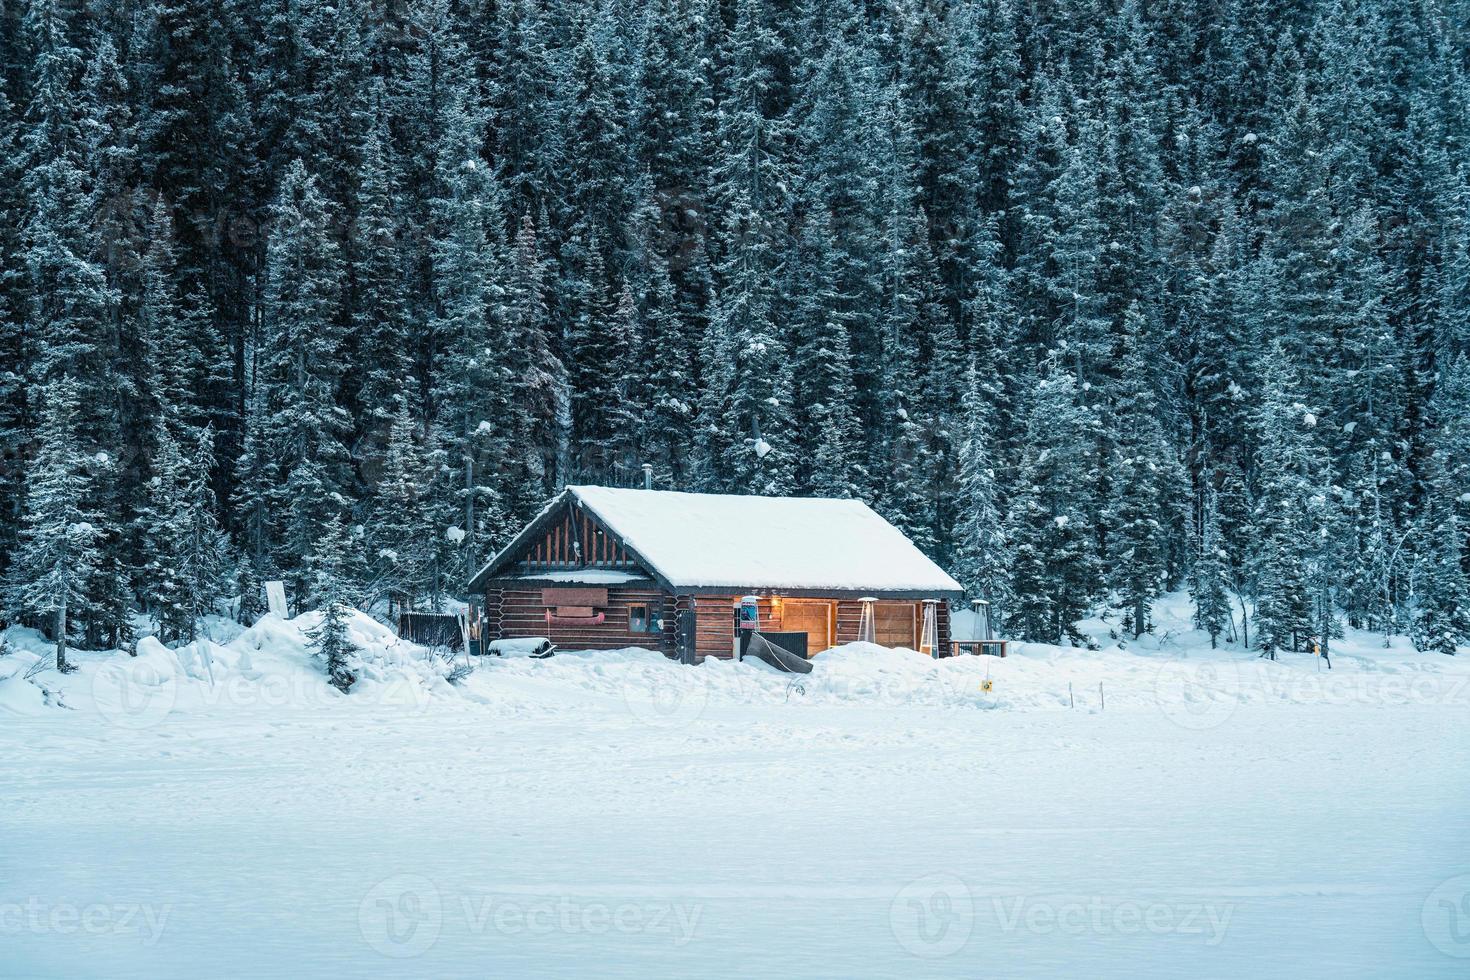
x=985, y=685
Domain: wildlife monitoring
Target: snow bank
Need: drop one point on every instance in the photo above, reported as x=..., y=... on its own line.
x=270, y=665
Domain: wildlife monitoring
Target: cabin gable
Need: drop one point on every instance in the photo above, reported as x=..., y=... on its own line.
x=564, y=539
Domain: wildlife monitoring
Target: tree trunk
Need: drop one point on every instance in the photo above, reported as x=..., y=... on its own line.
x=62, y=666
x=1245, y=628
x=469, y=508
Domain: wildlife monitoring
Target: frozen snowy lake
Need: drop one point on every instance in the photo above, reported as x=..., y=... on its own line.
x=584, y=815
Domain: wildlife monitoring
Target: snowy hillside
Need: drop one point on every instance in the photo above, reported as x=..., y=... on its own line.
x=1152, y=811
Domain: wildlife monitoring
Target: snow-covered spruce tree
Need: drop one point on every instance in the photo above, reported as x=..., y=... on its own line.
x=939, y=399
x=1056, y=572
x=1130, y=178
x=709, y=467
x=666, y=366
x=675, y=130
x=56, y=554
x=400, y=533
x=835, y=280
x=13, y=303
x=187, y=364
x=1209, y=580
x=475, y=417
x=186, y=550
x=250, y=588
x=313, y=107
x=257, y=472
x=887, y=391
x=921, y=386
x=983, y=555
x=539, y=403
x=584, y=303
x=1442, y=594
x=204, y=552
x=1076, y=243
x=1234, y=512
x=335, y=564
x=1220, y=362
x=901, y=482
x=595, y=140
x=598, y=189
x=1292, y=510
x=70, y=318
x=299, y=368
x=1303, y=304
x=822, y=374
x=625, y=351
x=1034, y=216
x=1369, y=441
x=523, y=98
x=333, y=591
x=1441, y=613
x=161, y=529
x=1144, y=483
x=375, y=295
x=936, y=62
x=1449, y=412
x=751, y=182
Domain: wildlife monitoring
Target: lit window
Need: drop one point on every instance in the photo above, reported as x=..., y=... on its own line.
x=640, y=621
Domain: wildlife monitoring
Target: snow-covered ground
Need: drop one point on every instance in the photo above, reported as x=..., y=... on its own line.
x=1155, y=811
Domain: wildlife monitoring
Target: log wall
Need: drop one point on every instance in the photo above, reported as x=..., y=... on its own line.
x=511, y=613
x=716, y=622
x=522, y=612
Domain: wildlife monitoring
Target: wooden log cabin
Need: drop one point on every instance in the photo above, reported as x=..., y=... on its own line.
x=602, y=568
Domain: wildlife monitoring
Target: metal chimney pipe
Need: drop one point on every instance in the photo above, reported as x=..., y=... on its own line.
x=648, y=476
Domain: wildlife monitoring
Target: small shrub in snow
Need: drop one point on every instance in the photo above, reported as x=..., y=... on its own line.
x=330, y=642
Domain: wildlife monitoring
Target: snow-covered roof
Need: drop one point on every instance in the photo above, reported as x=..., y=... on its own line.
x=702, y=541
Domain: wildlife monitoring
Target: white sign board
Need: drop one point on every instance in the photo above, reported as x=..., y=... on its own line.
x=275, y=598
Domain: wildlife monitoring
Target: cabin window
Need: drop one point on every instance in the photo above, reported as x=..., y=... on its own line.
x=640, y=620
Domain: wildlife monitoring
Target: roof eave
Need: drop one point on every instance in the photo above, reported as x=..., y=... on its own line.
x=830, y=592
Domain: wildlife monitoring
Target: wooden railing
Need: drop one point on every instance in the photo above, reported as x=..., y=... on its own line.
x=986, y=648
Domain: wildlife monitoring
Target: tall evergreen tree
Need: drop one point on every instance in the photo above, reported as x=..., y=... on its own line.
x=540, y=407
x=471, y=370
x=1442, y=602
x=1292, y=513
x=751, y=187
x=186, y=549
x=1209, y=583
x=56, y=556
x=1056, y=566
x=1145, y=484
x=983, y=553
x=299, y=370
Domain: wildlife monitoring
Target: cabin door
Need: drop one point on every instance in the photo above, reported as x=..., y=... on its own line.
x=896, y=624
x=814, y=618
